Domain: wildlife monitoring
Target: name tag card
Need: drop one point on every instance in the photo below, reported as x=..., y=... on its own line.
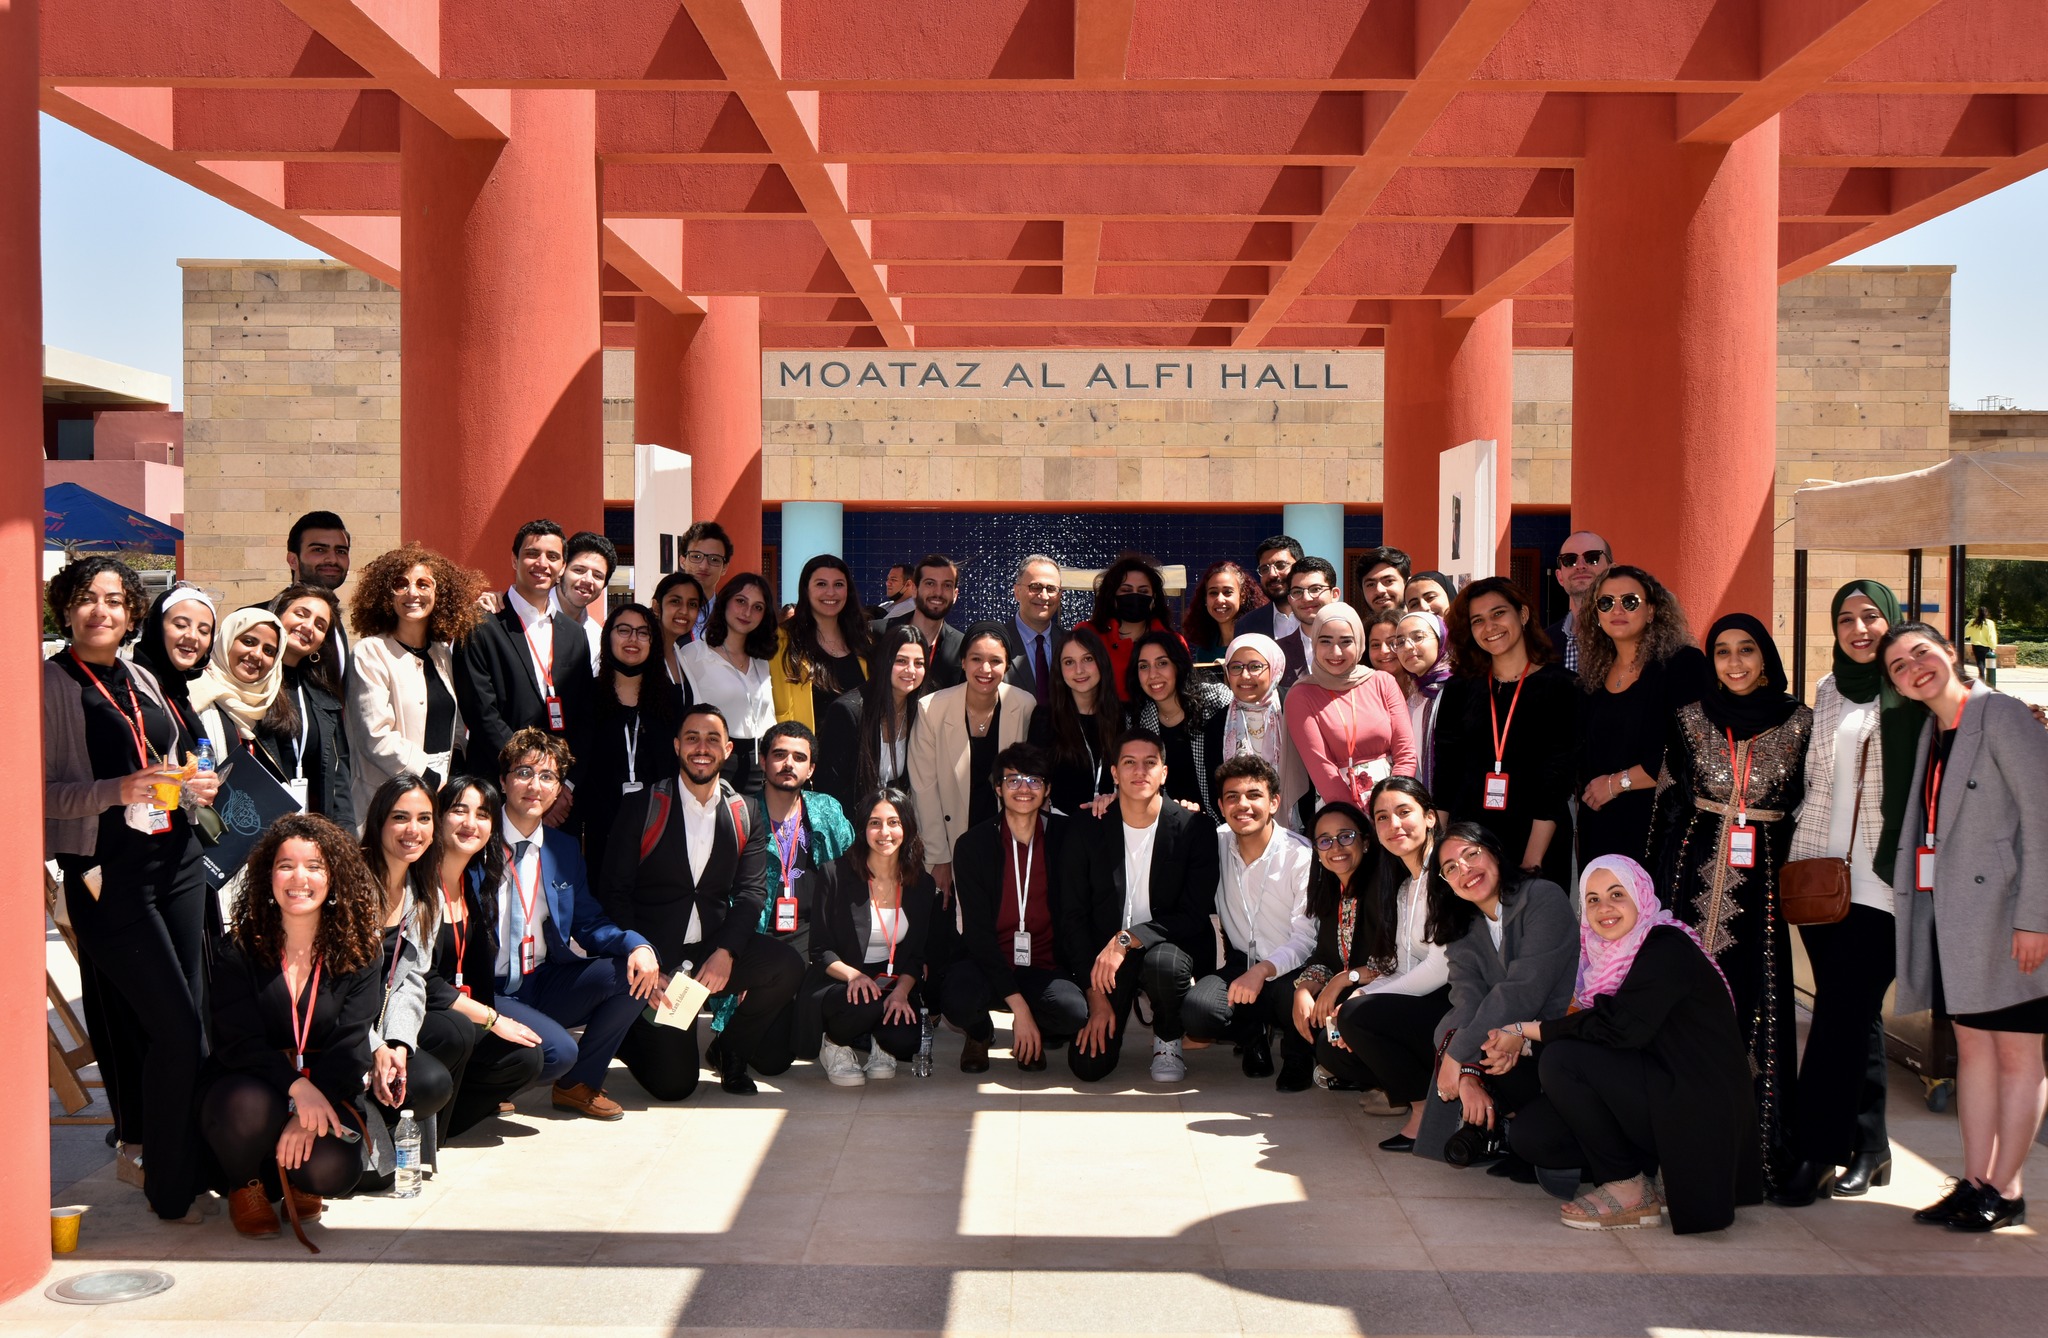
x=1496, y=800
x=1923, y=869
x=785, y=915
x=1020, y=948
x=554, y=705
x=1742, y=847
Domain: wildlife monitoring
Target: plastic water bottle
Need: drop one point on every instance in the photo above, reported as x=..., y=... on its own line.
x=405, y=1180
x=205, y=762
x=923, y=1067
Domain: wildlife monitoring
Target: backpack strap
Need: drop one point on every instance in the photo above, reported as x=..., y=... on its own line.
x=658, y=804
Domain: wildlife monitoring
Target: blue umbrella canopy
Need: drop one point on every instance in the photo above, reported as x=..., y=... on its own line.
x=77, y=517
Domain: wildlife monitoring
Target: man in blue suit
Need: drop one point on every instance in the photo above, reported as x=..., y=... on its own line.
x=544, y=901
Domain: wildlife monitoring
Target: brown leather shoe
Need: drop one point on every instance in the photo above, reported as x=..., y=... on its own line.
x=587, y=1101
x=974, y=1056
x=309, y=1205
x=249, y=1208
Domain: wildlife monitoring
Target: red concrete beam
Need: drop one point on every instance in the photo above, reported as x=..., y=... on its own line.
x=1326, y=336
x=649, y=252
x=704, y=190
x=1337, y=311
x=1508, y=130
x=1074, y=336
x=892, y=41
x=634, y=125
x=1102, y=39
x=1045, y=280
x=1180, y=243
x=341, y=188
x=1901, y=129
x=189, y=42
x=1506, y=260
x=1195, y=280
x=813, y=311
x=1128, y=126
x=1394, y=260
x=1204, y=191
x=1628, y=44
x=985, y=310
x=820, y=336
x=1992, y=46
x=1301, y=40
x=1801, y=45
x=1080, y=254
x=1461, y=194
x=399, y=43
x=359, y=125
x=592, y=43
x=759, y=256
x=1004, y=241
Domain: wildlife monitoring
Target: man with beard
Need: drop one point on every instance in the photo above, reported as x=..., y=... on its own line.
x=1383, y=579
x=687, y=869
x=317, y=553
x=1581, y=559
x=934, y=586
x=1275, y=560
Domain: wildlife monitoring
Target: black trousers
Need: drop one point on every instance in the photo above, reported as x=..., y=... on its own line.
x=144, y=942
x=1392, y=1039
x=1208, y=1015
x=244, y=1115
x=1594, y=1113
x=860, y=1024
x=432, y=1070
x=497, y=1070
x=1840, y=1111
x=1057, y=1004
x=1164, y=973
x=665, y=1060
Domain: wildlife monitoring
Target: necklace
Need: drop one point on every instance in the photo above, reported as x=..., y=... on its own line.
x=981, y=728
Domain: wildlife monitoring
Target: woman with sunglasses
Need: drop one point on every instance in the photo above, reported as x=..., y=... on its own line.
x=1637, y=666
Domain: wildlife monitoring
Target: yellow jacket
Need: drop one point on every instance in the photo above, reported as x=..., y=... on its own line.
x=1981, y=634
x=793, y=700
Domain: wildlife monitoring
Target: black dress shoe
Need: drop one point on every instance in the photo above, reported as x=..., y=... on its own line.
x=1512, y=1167
x=1866, y=1171
x=1033, y=1065
x=1258, y=1057
x=1398, y=1143
x=1960, y=1199
x=733, y=1076
x=974, y=1056
x=1807, y=1182
x=1296, y=1076
x=1990, y=1211
x=714, y=1053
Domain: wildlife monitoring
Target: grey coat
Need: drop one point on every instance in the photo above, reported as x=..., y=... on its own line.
x=1991, y=866
x=1529, y=976
x=405, y=991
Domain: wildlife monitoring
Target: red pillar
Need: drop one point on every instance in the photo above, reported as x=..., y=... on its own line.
x=721, y=420
x=1675, y=355
x=1450, y=380
x=502, y=351
x=24, y=1116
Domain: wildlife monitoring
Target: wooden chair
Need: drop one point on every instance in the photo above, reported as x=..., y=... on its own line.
x=72, y=1053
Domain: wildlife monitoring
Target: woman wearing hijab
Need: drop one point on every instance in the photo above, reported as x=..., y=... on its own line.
x=1645, y=1073
x=1425, y=649
x=1859, y=772
x=176, y=640
x=1347, y=719
x=1254, y=721
x=239, y=686
x=1734, y=774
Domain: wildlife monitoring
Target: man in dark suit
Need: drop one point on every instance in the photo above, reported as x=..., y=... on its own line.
x=1140, y=888
x=1006, y=873
x=1276, y=558
x=687, y=866
x=934, y=587
x=316, y=552
x=1033, y=632
x=526, y=666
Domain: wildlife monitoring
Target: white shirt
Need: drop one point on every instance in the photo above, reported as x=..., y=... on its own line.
x=540, y=636
x=700, y=829
x=1421, y=967
x=1495, y=927
x=526, y=874
x=593, y=632
x=747, y=699
x=1264, y=904
x=881, y=924
x=1285, y=624
x=1138, y=871
x=1865, y=887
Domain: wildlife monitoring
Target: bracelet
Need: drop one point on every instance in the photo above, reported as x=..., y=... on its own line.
x=1472, y=1071
x=495, y=1015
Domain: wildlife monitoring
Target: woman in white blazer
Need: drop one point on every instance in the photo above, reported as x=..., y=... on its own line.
x=412, y=606
x=981, y=716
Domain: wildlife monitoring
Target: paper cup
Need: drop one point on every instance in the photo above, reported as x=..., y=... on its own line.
x=64, y=1229
x=168, y=792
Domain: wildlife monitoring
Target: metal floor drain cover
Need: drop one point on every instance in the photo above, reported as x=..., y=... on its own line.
x=109, y=1285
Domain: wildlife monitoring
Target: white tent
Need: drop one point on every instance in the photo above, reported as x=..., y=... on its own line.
x=1994, y=504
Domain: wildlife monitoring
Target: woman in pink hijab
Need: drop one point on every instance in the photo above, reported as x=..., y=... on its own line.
x=1645, y=1074
x=1348, y=720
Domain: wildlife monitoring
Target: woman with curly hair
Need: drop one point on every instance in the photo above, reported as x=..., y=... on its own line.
x=1222, y=597
x=412, y=607
x=296, y=990
x=1637, y=666
x=823, y=648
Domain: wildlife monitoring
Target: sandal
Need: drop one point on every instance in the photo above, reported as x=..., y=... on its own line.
x=1599, y=1210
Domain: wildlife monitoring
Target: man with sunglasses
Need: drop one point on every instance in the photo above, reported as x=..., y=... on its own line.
x=1580, y=562
x=1006, y=873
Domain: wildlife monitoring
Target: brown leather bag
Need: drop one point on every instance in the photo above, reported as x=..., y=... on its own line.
x=1816, y=891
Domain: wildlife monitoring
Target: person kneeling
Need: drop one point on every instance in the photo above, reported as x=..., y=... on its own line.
x=1006, y=874
x=1263, y=903
x=1648, y=1070
x=875, y=906
x=295, y=990
x=688, y=867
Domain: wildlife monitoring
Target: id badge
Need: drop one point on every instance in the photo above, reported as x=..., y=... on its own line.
x=554, y=705
x=885, y=983
x=301, y=791
x=1742, y=847
x=1020, y=948
x=785, y=915
x=1496, y=800
x=526, y=962
x=147, y=818
x=631, y=787
x=1923, y=869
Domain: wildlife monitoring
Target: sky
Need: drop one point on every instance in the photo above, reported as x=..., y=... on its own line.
x=115, y=228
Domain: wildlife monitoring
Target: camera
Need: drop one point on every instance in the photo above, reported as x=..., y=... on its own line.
x=1474, y=1143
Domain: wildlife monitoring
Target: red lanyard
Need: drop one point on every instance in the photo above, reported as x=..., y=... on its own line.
x=303, y=1033
x=1742, y=782
x=1934, y=773
x=547, y=671
x=1500, y=733
x=890, y=928
x=135, y=722
x=527, y=899
x=785, y=851
x=459, y=931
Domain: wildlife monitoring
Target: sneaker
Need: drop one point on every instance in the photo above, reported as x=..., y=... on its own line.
x=881, y=1064
x=841, y=1064
x=1167, y=1065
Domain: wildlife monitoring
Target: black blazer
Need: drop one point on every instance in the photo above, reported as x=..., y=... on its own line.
x=1259, y=620
x=839, y=737
x=840, y=931
x=1185, y=870
x=728, y=899
x=978, y=860
x=598, y=739
x=252, y=1024
x=1019, y=674
x=499, y=691
x=331, y=793
x=942, y=662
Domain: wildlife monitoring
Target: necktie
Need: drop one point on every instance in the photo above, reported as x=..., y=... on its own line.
x=1039, y=667
x=519, y=849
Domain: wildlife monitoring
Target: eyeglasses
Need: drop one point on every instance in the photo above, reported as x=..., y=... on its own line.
x=1346, y=838
x=1592, y=557
x=1316, y=591
x=697, y=557
x=1277, y=567
x=633, y=632
x=1630, y=603
x=1247, y=668
x=530, y=774
x=1412, y=639
x=1031, y=784
x=1450, y=868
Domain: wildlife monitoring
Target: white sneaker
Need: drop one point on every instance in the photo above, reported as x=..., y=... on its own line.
x=881, y=1064
x=1167, y=1065
x=841, y=1064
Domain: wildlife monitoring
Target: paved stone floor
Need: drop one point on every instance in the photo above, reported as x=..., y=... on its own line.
x=1014, y=1204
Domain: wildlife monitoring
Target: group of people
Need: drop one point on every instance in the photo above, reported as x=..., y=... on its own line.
x=530, y=834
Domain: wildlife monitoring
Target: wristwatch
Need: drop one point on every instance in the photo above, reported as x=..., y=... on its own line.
x=1123, y=938
x=1354, y=975
x=1627, y=779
